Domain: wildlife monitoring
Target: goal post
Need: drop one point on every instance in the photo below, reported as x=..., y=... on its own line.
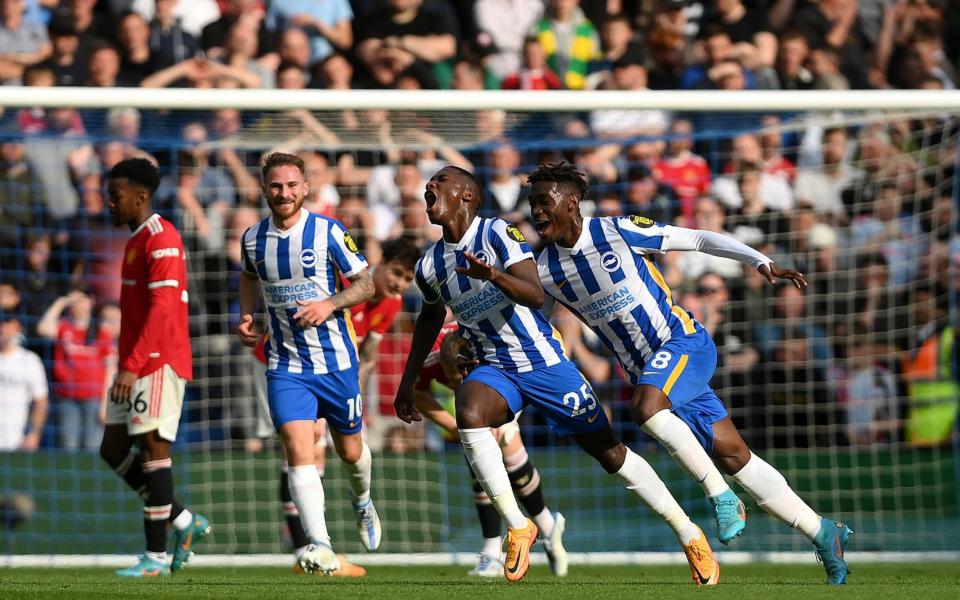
x=849, y=388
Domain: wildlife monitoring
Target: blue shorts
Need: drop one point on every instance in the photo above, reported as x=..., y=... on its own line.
x=307, y=397
x=559, y=393
x=682, y=369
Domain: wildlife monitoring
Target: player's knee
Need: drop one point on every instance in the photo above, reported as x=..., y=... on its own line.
x=111, y=454
x=350, y=454
x=732, y=461
x=648, y=404
x=612, y=459
x=470, y=417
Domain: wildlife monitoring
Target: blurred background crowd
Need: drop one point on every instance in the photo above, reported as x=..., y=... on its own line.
x=866, y=205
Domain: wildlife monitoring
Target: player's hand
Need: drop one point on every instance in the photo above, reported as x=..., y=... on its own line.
x=31, y=442
x=247, y=332
x=312, y=314
x=403, y=404
x=123, y=386
x=772, y=273
x=476, y=268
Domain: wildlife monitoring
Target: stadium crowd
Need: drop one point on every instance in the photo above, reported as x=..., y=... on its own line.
x=869, y=211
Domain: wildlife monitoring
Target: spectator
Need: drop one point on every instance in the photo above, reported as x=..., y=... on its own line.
x=833, y=23
x=824, y=64
x=67, y=66
x=203, y=193
x=822, y=188
x=103, y=67
x=645, y=196
x=754, y=45
x=708, y=215
x=468, y=75
x=667, y=51
x=891, y=233
x=329, y=23
x=22, y=43
x=717, y=48
x=62, y=159
x=170, y=43
x=772, y=190
x=507, y=22
x=333, y=73
x=771, y=155
x=788, y=318
x=503, y=182
x=570, y=41
x=38, y=283
x=202, y=73
x=869, y=394
x=534, y=74
x=750, y=195
x=84, y=362
x=405, y=35
x=931, y=372
x=293, y=46
x=240, y=52
x=323, y=198
x=92, y=26
x=23, y=390
x=626, y=123
x=214, y=36
x=137, y=63
x=687, y=173
x=19, y=202
x=617, y=41
x=190, y=16
x=792, y=57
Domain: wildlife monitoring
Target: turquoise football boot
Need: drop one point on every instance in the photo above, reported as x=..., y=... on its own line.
x=146, y=567
x=731, y=516
x=185, y=539
x=830, y=544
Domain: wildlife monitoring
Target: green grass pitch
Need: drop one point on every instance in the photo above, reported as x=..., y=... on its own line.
x=920, y=581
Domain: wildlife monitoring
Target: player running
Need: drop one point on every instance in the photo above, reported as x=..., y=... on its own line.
x=371, y=319
x=600, y=268
x=155, y=364
x=484, y=271
x=446, y=366
x=297, y=259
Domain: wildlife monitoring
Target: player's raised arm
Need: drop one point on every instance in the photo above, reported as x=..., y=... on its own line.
x=646, y=237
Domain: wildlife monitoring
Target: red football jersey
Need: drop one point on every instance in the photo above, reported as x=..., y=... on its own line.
x=432, y=370
x=154, y=328
x=689, y=177
x=79, y=364
x=375, y=316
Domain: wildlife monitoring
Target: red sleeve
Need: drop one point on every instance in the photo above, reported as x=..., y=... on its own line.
x=553, y=82
x=260, y=350
x=164, y=256
x=704, y=179
x=512, y=82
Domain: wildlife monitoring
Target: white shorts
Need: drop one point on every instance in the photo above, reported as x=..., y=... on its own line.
x=155, y=403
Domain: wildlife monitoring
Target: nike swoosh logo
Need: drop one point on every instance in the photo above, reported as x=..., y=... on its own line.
x=651, y=372
x=187, y=542
x=516, y=565
x=593, y=418
x=153, y=573
x=562, y=283
x=703, y=580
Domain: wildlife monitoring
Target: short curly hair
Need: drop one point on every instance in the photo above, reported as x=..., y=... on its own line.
x=137, y=170
x=561, y=173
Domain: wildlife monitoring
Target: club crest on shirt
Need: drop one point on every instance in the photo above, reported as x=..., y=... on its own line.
x=610, y=261
x=482, y=257
x=131, y=256
x=308, y=257
x=351, y=245
x=641, y=221
x=515, y=234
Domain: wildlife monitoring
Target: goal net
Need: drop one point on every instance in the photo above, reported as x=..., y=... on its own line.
x=849, y=387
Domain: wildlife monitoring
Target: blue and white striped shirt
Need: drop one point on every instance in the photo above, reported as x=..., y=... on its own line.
x=608, y=279
x=304, y=262
x=503, y=334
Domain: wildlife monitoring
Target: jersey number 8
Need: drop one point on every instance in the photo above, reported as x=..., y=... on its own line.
x=661, y=359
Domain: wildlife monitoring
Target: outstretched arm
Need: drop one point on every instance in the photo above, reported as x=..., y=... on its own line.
x=724, y=246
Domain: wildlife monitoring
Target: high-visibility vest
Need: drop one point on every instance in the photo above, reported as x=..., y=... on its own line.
x=934, y=390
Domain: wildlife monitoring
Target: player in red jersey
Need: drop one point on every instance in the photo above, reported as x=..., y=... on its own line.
x=154, y=365
x=371, y=321
x=446, y=366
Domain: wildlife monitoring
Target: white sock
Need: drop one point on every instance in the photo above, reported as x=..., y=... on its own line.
x=183, y=520
x=642, y=480
x=491, y=546
x=674, y=435
x=157, y=556
x=486, y=460
x=359, y=474
x=774, y=495
x=306, y=489
x=544, y=521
